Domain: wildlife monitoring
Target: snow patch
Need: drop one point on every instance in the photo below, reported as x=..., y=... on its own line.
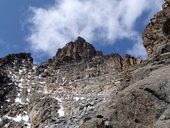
x=78, y=98
x=82, y=98
x=45, y=91
x=8, y=100
x=28, y=90
x=20, y=85
x=40, y=77
x=6, y=125
x=63, y=78
x=34, y=67
x=20, y=71
x=25, y=118
x=18, y=100
x=23, y=61
x=117, y=82
x=20, y=118
x=61, y=111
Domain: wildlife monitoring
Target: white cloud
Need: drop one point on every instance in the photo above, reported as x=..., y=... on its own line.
x=138, y=49
x=52, y=27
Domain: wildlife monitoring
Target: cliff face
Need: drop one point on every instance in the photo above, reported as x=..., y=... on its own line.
x=157, y=34
x=65, y=91
x=118, y=63
x=82, y=88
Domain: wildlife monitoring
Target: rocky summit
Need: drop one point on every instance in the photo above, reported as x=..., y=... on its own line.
x=76, y=51
x=82, y=88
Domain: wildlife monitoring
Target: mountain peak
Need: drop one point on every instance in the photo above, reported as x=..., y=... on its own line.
x=80, y=39
x=76, y=51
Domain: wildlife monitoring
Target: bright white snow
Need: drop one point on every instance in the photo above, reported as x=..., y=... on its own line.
x=78, y=98
x=18, y=100
x=8, y=100
x=61, y=111
x=45, y=91
x=20, y=118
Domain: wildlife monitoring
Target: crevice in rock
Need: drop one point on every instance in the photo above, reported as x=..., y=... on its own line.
x=166, y=27
x=158, y=96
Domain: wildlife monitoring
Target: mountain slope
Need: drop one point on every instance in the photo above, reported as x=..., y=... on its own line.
x=82, y=88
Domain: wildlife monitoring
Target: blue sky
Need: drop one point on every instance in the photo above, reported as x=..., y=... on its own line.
x=42, y=26
x=13, y=25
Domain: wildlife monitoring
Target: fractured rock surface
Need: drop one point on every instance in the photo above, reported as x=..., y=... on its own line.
x=76, y=51
x=157, y=34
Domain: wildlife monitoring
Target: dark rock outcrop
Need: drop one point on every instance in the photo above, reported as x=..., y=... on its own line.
x=8, y=92
x=16, y=59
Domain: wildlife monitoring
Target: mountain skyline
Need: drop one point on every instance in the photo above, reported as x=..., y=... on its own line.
x=41, y=27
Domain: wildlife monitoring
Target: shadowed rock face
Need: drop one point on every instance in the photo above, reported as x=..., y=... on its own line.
x=166, y=27
x=157, y=34
x=7, y=93
x=17, y=59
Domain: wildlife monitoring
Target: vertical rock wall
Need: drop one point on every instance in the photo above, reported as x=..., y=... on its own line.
x=157, y=34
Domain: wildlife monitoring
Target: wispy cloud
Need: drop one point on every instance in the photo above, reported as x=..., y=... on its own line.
x=138, y=49
x=52, y=27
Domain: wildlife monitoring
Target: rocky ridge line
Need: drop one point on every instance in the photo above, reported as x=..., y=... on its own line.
x=80, y=50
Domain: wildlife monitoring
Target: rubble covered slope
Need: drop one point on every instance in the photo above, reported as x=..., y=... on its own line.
x=82, y=88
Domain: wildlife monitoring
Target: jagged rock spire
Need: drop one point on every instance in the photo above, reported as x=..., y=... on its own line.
x=76, y=51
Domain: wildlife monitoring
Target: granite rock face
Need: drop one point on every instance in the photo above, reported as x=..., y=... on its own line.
x=82, y=88
x=118, y=63
x=157, y=33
